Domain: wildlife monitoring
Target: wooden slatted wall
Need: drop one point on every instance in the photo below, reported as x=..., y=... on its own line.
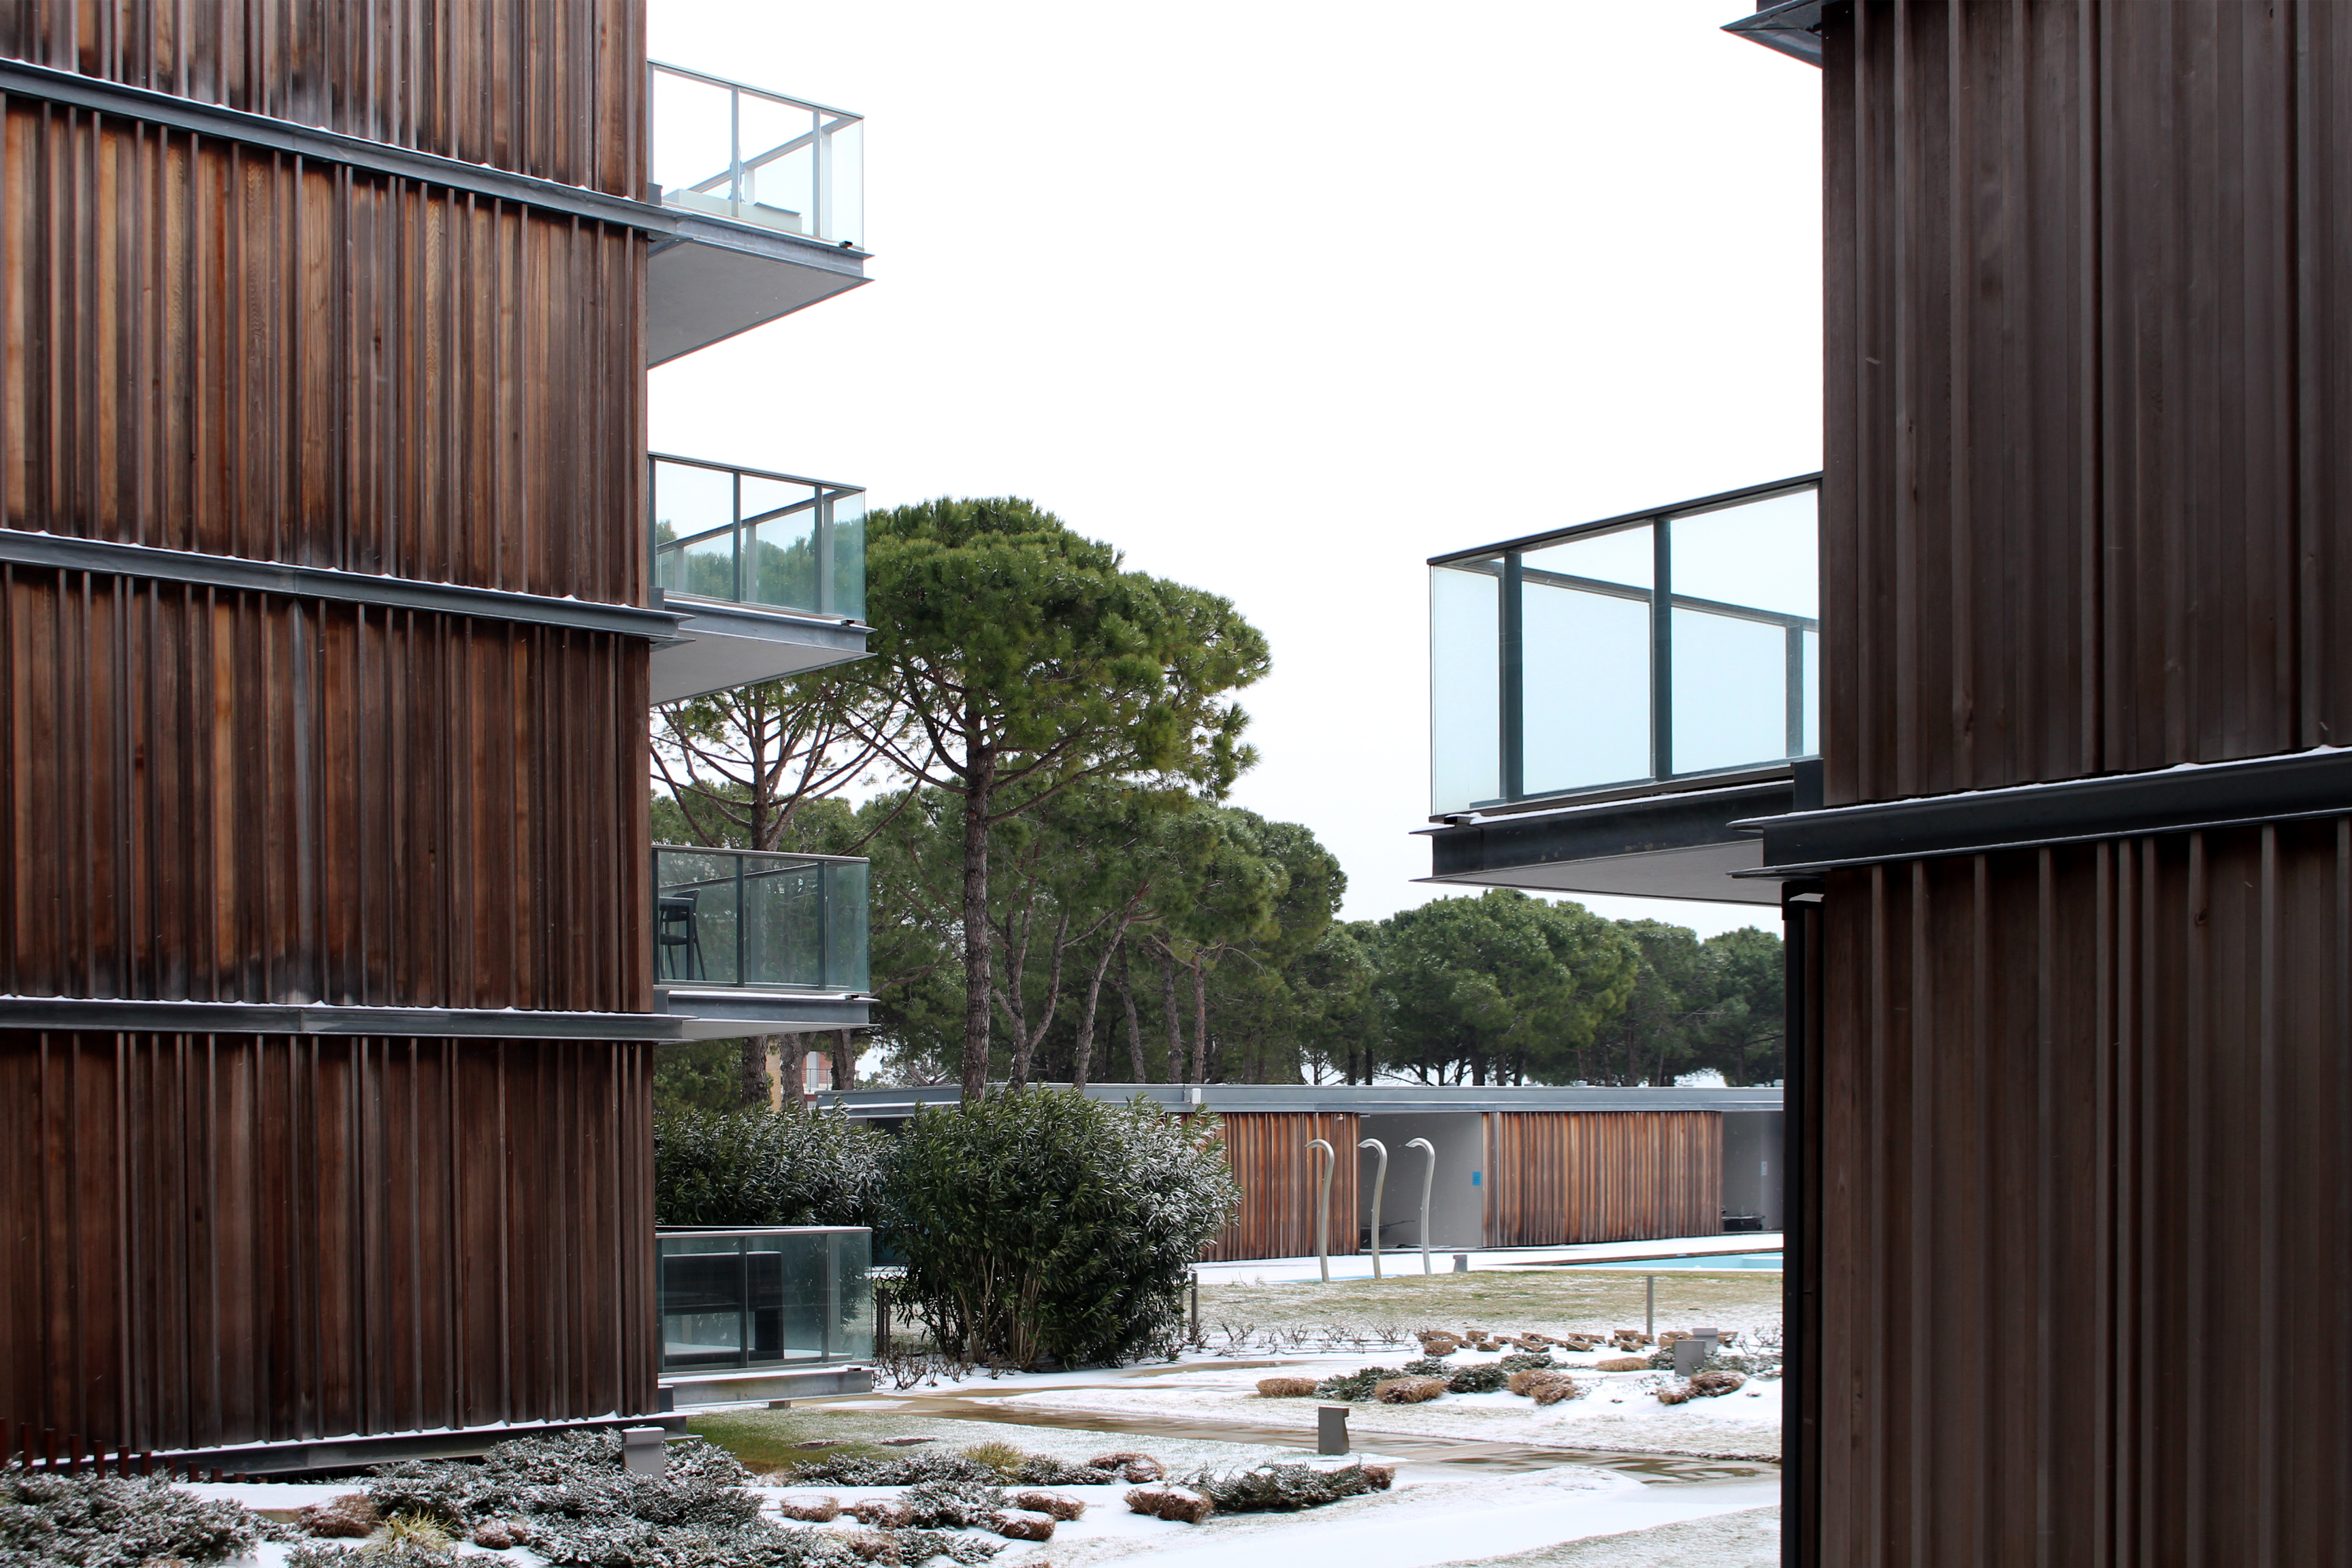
x=209, y=348
x=2088, y=377
x=551, y=88
x=220, y=1239
x=238, y=797
x=1267, y=1150
x=1574, y=1176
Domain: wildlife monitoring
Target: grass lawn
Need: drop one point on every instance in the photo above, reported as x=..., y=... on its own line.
x=1504, y=1302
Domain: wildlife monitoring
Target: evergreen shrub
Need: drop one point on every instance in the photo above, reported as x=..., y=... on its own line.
x=93, y=1521
x=1043, y=1225
x=761, y=1167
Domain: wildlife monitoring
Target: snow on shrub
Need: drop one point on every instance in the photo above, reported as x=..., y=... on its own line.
x=821, y=1510
x=1163, y=1502
x=1046, y=1223
x=1486, y=1377
x=1356, y=1386
x=351, y=1516
x=1702, y=1385
x=1285, y=1489
x=1622, y=1363
x=1437, y=1345
x=761, y=1167
x=1050, y=1503
x=1024, y=1526
x=1526, y=1363
x=1129, y=1465
x=1544, y=1387
x=90, y=1522
x=1285, y=1387
x=1408, y=1390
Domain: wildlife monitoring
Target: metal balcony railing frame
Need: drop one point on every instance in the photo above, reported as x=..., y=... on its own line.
x=824, y=502
x=1661, y=601
x=738, y=882
x=831, y=1318
x=825, y=181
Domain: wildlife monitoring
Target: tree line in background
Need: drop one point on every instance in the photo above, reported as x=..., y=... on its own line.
x=1041, y=740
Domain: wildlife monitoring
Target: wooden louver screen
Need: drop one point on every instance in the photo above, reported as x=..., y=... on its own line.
x=1268, y=1154
x=1576, y=1176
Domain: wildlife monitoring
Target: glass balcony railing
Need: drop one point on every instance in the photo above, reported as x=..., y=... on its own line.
x=735, y=151
x=758, y=538
x=760, y=920
x=738, y=1300
x=1631, y=651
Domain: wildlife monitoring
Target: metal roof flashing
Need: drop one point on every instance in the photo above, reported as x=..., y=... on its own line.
x=1793, y=29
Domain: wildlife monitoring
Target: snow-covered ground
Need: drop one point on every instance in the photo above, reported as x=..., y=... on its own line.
x=1619, y=1410
x=1429, y=1519
x=1395, y=1265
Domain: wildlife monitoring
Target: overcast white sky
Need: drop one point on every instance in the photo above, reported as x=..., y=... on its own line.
x=1283, y=298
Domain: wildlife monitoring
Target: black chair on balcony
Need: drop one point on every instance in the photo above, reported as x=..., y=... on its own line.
x=677, y=936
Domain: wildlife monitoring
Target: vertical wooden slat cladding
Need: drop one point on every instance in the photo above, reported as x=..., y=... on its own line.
x=551, y=88
x=1562, y=1176
x=1268, y=1153
x=2083, y=1168
x=2089, y=383
x=217, y=797
x=212, y=348
x=223, y=1240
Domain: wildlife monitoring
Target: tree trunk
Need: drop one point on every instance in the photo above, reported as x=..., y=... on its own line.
x=1200, y=1022
x=1134, y=1028
x=1175, y=1017
x=1026, y=1039
x=845, y=1060
x=1082, y=1054
x=752, y=1082
x=976, y=802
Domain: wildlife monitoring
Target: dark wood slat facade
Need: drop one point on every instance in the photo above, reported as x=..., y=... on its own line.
x=554, y=89
x=244, y=795
x=2071, y=1120
x=230, y=1240
x=2089, y=377
x=1559, y=1177
x=215, y=796
x=212, y=348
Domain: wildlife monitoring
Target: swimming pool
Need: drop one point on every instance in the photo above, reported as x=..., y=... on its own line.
x=1770, y=1260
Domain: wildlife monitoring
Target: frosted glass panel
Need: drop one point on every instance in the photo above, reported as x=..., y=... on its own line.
x=1588, y=688
x=1731, y=691
x=1763, y=555
x=1465, y=732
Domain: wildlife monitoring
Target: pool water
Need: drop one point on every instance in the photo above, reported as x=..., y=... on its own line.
x=1770, y=1260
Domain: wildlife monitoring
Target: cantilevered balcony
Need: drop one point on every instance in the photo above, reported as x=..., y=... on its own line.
x=755, y=941
x=1605, y=699
x=769, y=193
x=770, y=569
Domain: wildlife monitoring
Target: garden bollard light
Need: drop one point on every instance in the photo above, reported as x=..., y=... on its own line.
x=1462, y=1263
x=1323, y=1206
x=1331, y=1428
x=1649, y=1312
x=641, y=1450
x=1428, y=1174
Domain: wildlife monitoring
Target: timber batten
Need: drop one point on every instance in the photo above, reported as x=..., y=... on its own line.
x=348, y=784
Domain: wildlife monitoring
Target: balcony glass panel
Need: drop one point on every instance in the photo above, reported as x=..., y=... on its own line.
x=1587, y=658
x=758, y=538
x=734, y=1300
x=1545, y=675
x=1463, y=672
x=1731, y=691
x=735, y=151
x=768, y=921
